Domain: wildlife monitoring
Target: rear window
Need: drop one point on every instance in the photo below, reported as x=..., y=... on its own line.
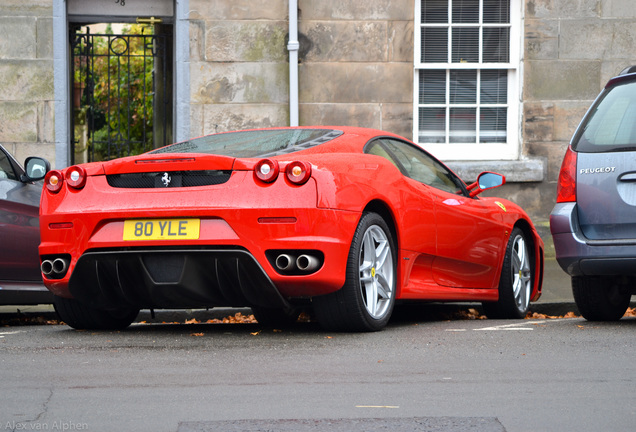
x=610, y=125
x=255, y=143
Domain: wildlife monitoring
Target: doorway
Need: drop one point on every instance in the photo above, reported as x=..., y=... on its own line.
x=121, y=89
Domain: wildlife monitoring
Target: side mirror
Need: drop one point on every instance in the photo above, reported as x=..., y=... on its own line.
x=485, y=181
x=35, y=168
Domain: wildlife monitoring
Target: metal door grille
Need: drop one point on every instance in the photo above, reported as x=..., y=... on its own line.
x=122, y=93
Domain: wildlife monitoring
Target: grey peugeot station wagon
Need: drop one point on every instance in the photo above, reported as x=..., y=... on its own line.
x=593, y=223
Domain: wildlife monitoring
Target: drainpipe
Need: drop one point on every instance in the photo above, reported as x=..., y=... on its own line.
x=292, y=46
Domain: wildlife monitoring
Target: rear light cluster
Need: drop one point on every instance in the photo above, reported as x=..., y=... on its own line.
x=75, y=177
x=566, y=187
x=297, y=172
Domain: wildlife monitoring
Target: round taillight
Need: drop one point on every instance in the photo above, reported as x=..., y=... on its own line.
x=76, y=177
x=266, y=170
x=298, y=172
x=53, y=181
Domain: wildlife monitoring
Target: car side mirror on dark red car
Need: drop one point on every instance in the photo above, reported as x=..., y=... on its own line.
x=35, y=169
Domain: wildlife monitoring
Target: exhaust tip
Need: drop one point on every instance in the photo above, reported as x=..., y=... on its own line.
x=307, y=263
x=59, y=266
x=46, y=267
x=285, y=262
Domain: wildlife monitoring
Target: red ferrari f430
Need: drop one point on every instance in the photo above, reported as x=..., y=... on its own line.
x=345, y=221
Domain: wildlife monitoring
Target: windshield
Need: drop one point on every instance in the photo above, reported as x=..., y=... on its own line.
x=611, y=123
x=257, y=143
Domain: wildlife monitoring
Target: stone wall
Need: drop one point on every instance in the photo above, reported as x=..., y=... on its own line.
x=571, y=49
x=26, y=78
x=356, y=68
x=239, y=73
x=355, y=64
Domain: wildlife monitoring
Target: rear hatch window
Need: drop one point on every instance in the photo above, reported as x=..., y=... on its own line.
x=610, y=125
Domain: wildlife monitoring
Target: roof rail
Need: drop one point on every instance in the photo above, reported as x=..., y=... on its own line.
x=628, y=70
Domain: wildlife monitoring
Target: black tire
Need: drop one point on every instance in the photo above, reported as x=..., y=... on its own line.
x=600, y=298
x=366, y=300
x=516, y=281
x=82, y=317
x=275, y=317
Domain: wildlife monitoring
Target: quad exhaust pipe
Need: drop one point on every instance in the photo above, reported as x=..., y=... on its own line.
x=285, y=262
x=305, y=263
x=55, y=268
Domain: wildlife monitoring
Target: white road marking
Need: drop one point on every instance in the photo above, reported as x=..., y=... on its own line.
x=504, y=327
x=517, y=326
x=3, y=334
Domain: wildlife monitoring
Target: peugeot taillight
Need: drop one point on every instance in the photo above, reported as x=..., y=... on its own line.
x=53, y=181
x=566, y=187
x=266, y=170
x=298, y=172
x=76, y=177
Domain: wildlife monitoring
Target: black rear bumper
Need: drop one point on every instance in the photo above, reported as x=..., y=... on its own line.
x=169, y=278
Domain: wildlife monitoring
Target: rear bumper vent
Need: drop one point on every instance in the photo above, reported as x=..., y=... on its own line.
x=168, y=179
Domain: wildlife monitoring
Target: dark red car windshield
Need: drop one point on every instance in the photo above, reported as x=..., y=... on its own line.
x=255, y=143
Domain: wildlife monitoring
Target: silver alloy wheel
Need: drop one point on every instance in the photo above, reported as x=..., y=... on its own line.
x=521, y=274
x=376, y=272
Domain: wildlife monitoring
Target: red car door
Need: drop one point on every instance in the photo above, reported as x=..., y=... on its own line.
x=469, y=241
x=467, y=231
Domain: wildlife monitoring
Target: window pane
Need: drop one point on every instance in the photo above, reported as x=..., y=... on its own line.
x=432, y=87
x=463, y=127
x=492, y=125
x=432, y=125
x=463, y=86
x=435, y=11
x=496, y=11
x=435, y=45
x=465, y=47
x=465, y=11
x=496, y=45
x=494, y=87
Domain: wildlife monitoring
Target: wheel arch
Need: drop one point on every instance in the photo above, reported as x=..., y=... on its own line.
x=384, y=210
x=537, y=255
x=381, y=208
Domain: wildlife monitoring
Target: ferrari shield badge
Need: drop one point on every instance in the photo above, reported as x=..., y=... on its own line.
x=503, y=207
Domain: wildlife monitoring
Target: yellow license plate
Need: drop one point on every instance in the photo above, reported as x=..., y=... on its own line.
x=162, y=229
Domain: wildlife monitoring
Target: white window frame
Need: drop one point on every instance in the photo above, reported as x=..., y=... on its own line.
x=475, y=151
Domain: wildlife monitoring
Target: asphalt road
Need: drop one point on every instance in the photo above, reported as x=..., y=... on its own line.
x=451, y=375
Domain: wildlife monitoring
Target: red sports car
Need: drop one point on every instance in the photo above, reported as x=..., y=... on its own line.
x=343, y=220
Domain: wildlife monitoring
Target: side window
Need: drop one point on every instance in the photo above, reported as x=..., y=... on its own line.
x=422, y=167
x=6, y=170
x=376, y=148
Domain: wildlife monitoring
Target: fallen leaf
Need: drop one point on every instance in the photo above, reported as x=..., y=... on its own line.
x=535, y=315
x=197, y=334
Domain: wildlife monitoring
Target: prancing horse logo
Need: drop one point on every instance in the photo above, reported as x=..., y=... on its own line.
x=166, y=179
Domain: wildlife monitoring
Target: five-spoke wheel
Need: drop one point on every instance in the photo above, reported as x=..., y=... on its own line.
x=366, y=300
x=515, y=284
